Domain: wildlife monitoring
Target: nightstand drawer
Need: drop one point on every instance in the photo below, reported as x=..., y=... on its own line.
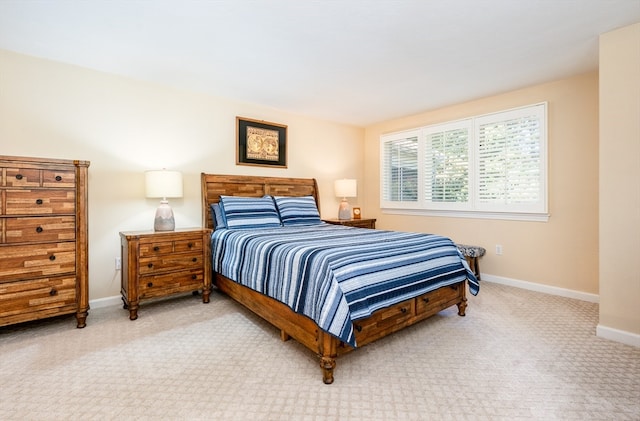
x=189, y=245
x=153, y=249
x=161, y=285
x=170, y=262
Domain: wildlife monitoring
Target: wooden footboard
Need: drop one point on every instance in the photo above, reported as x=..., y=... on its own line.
x=328, y=347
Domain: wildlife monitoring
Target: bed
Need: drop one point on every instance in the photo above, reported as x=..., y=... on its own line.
x=315, y=281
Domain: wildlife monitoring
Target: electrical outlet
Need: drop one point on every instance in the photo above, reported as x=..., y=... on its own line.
x=118, y=263
x=499, y=249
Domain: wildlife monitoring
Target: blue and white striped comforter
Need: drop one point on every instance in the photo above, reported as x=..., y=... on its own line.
x=336, y=274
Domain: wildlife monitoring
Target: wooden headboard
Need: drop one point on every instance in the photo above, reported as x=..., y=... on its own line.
x=215, y=185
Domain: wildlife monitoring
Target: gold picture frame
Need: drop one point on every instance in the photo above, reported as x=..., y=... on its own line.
x=261, y=143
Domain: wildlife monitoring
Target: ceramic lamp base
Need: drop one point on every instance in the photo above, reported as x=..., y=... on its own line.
x=344, y=211
x=164, y=220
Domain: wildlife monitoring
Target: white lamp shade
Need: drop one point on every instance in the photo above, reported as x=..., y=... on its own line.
x=163, y=183
x=346, y=188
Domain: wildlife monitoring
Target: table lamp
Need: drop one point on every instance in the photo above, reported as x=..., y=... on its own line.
x=345, y=188
x=164, y=184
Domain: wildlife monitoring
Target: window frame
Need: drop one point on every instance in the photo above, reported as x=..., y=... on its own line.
x=473, y=208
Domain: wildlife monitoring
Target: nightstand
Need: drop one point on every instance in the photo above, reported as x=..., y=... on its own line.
x=360, y=223
x=161, y=263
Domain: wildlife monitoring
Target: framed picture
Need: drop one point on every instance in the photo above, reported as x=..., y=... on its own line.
x=261, y=143
x=356, y=213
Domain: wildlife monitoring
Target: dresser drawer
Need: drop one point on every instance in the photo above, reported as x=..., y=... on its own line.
x=382, y=322
x=47, y=295
x=37, y=229
x=40, y=202
x=31, y=177
x=161, y=285
x=35, y=261
x=172, y=262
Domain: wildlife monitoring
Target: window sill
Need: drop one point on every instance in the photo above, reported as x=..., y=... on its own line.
x=509, y=216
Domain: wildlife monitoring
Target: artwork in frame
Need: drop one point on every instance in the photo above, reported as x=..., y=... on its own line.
x=261, y=143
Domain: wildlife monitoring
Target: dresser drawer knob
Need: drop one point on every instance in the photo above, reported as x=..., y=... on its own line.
x=18, y=176
x=195, y=259
x=39, y=201
x=39, y=230
x=53, y=292
x=150, y=284
x=58, y=178
x=150, y=265
x=190, y=245
x=52, y=257
x=194, y=277
x=156, y=248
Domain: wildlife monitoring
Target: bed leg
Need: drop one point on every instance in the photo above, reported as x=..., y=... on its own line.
x=328, y=352
x=462, y=305
x=284, y=336
x=327, y=364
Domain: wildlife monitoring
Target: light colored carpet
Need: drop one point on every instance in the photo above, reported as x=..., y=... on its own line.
x=516, y=355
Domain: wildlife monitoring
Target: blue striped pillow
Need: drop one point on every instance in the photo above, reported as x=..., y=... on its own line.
x=218, y=217
x=298, y=210
x=249, y=212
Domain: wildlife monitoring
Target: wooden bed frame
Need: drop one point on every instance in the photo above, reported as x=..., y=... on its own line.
x=300, y=327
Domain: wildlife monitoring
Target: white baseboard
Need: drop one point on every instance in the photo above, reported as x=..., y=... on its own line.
x=627, y=338
x=621, y=336
x=547, y=289
x=106, y=302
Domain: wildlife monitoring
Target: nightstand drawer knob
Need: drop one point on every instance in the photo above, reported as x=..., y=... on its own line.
x=53, y=292
x=195, y=259
x=194, y=277
x=150, y=265
x=156, y=248
x=39, y=202
x=190, y=245
x=39, y=230
x=52, y=257
x=150, y=284
x=18, y=176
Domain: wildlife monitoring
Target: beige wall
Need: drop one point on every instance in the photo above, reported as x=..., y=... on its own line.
x=124, y=127
x=561, y=253
x=620, y=182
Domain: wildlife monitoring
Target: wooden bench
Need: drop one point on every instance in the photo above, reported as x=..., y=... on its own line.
x=472, y=254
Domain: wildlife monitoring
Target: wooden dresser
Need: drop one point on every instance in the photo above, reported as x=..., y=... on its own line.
x=162, y=263
x=43, y=239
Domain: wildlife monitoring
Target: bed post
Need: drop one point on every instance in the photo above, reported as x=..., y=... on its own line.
x=328, y=349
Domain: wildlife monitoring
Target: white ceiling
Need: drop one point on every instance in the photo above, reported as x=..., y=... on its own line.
x=351, y=61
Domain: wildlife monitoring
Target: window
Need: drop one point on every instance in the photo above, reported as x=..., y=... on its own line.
x=490, y=166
